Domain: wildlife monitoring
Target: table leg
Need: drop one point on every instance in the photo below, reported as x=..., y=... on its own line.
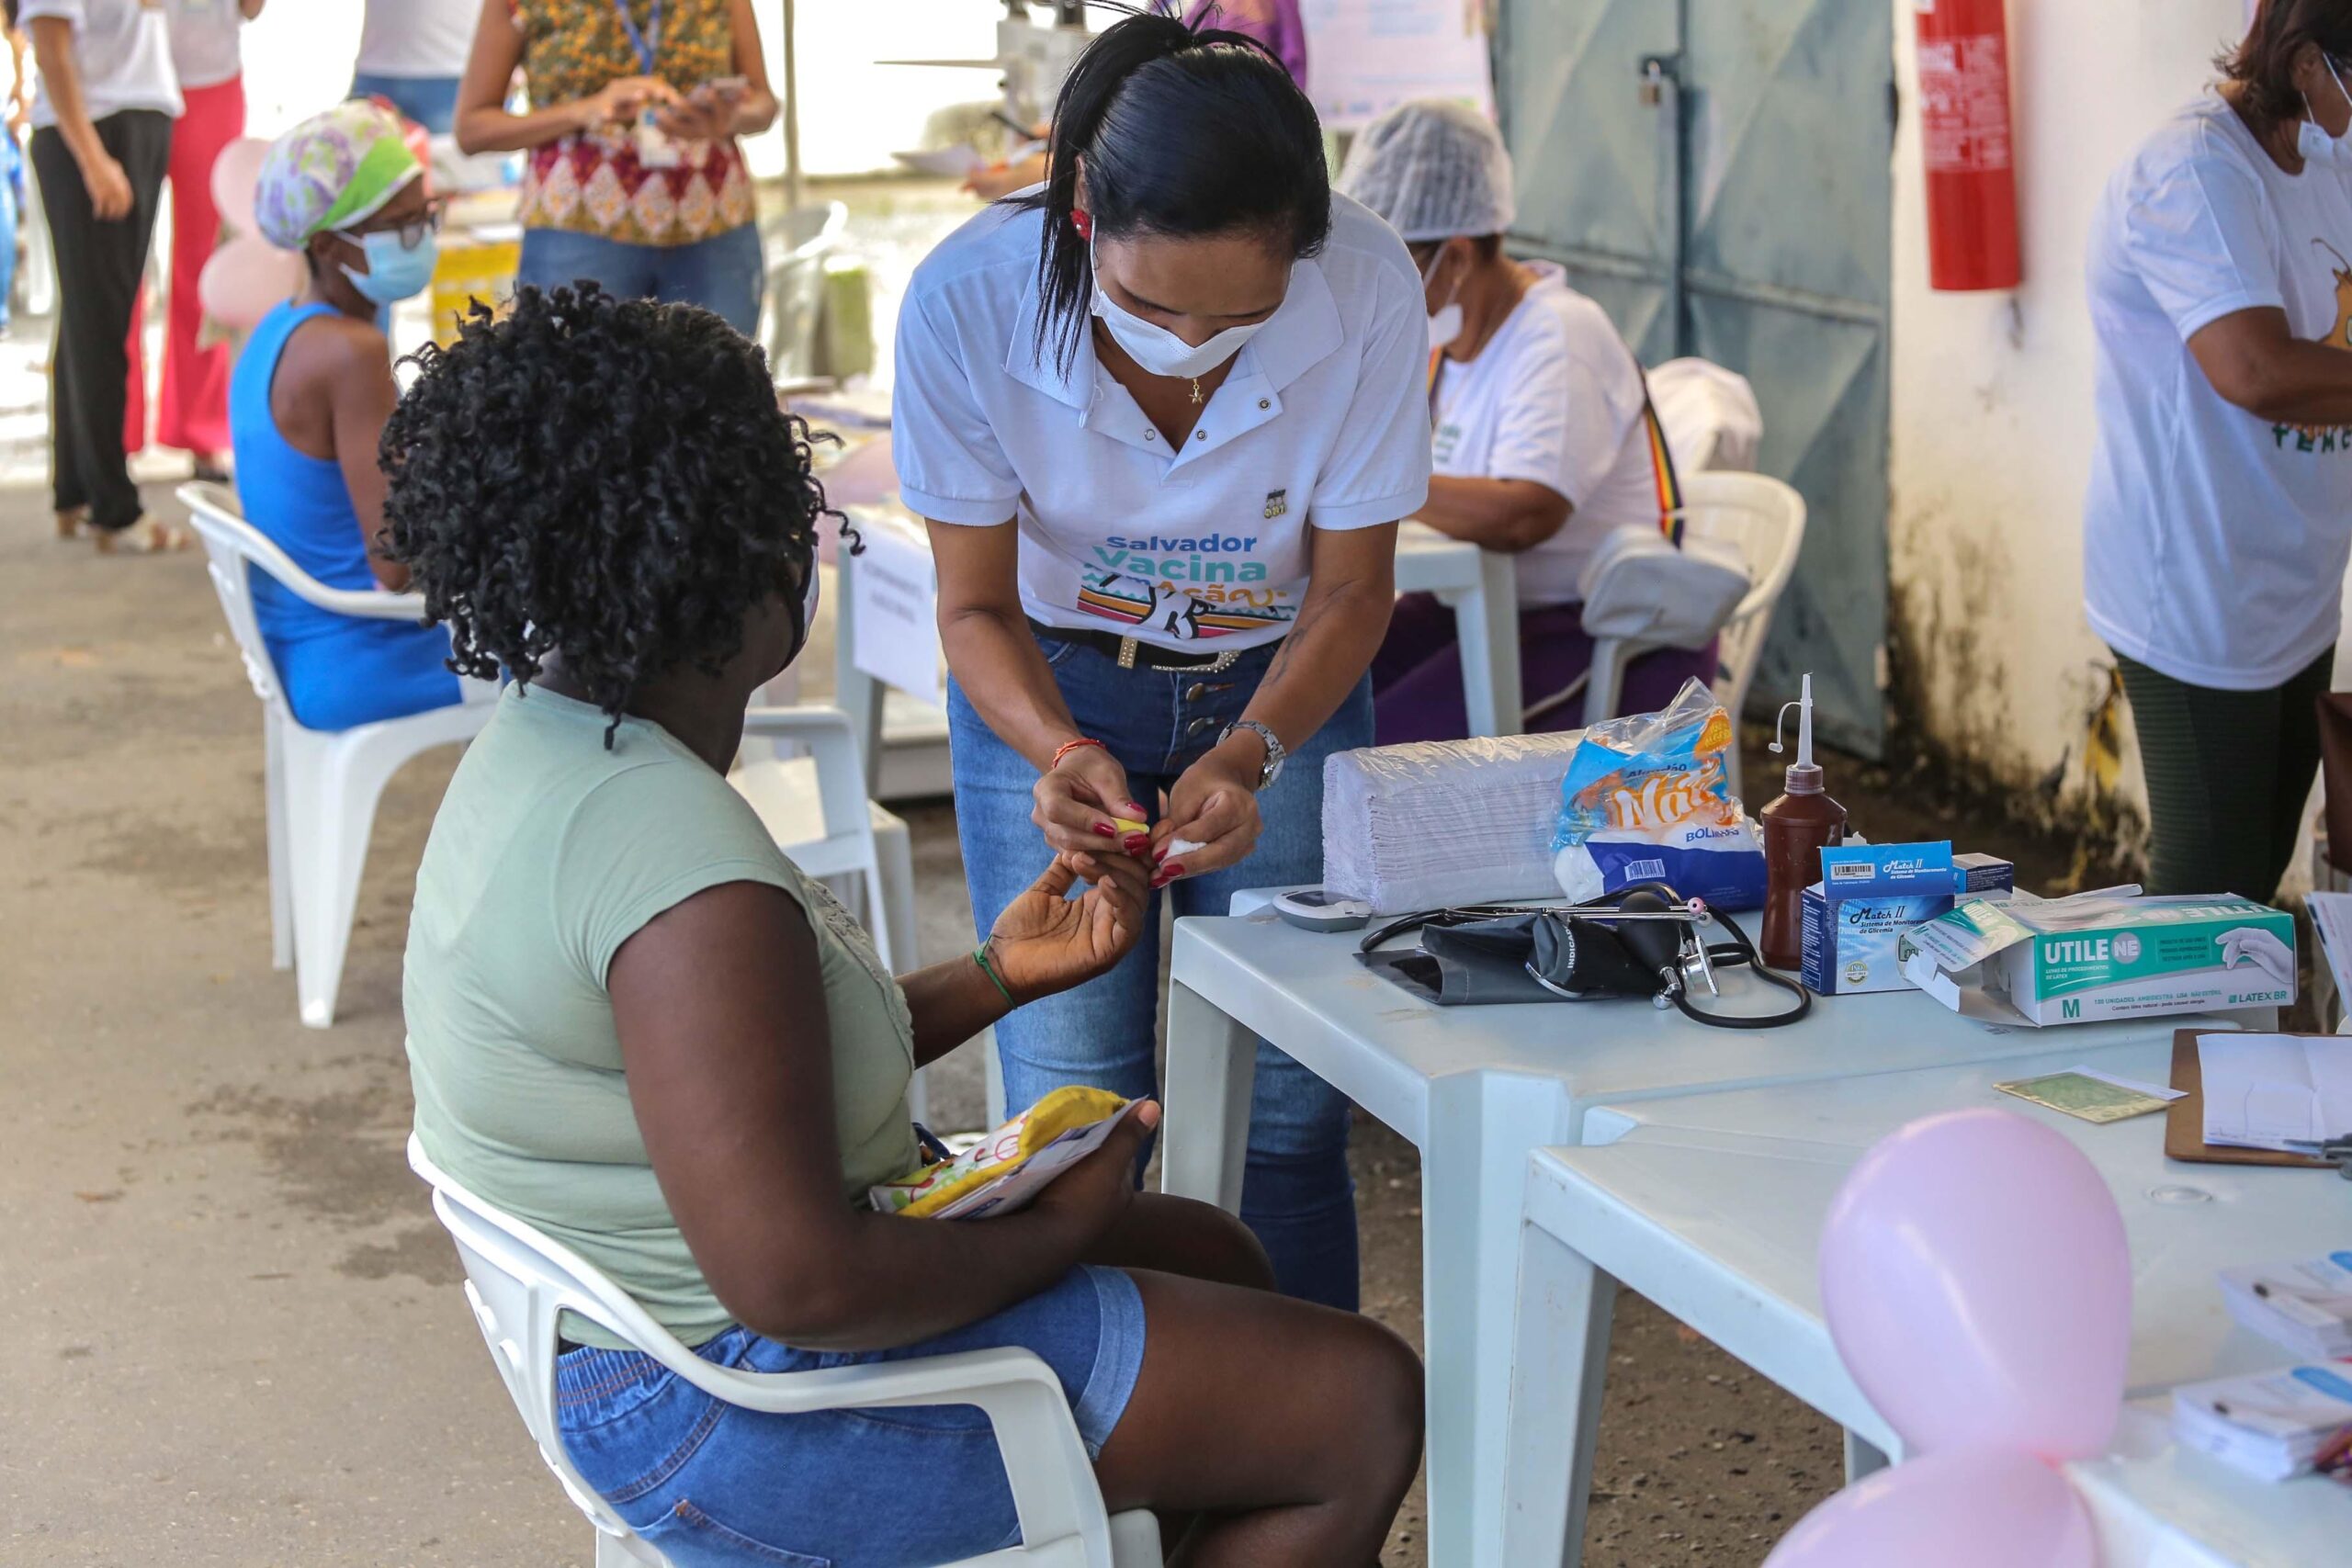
x=855, y=693
x=1862, y=1459
x=1559, y=1364
x=1212, y=1068
x=1482, y=1127
x=1485, y=623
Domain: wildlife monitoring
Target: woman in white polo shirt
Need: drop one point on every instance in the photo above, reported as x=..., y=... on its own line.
x=1543, y=435
x=1163, y=413
x=2219, y=520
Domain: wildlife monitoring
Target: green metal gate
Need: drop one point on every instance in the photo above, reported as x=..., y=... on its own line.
x=1715, y=173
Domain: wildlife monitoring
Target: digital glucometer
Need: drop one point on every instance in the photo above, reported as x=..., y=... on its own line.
x=1313, y=909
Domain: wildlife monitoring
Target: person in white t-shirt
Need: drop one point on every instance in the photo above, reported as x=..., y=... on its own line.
x=1163, y=413
x=411, y=55
x=192, y=402
x=1541, y=428
x=102, y=139
x=2219, y=520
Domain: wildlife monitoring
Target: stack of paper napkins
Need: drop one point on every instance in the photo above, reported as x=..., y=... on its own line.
x=2274, y=1425
x=2306, y=1306
x=1444, y=822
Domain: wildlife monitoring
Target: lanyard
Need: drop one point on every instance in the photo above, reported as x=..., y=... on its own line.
x=648, y=42
x=1662, y=474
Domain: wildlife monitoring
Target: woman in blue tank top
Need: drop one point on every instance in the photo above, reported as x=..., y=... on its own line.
x=307, y=405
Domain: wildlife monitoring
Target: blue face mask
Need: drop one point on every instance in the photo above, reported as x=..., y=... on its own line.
x=395, y=271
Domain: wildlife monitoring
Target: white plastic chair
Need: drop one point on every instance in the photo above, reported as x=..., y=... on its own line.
x=1763, y=519
x=320, y=787
x=517, y=1281
x=816, y=807
x=1709, y=414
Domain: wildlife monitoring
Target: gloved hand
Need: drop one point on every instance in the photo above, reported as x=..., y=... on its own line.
x=2258, y=947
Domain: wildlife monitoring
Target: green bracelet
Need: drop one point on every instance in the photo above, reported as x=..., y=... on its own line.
x=980, y=957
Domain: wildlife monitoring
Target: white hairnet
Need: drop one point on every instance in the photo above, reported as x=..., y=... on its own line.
x=1435, y=170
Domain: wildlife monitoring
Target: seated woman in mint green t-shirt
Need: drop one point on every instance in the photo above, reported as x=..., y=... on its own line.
x=633, y=1023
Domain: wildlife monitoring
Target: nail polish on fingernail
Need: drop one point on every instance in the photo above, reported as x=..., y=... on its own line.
x=1171, y=869
x=1106, y=829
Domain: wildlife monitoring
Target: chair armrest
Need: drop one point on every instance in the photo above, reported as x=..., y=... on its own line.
x=1046, y=1462
x=367, y=604
x=260, y=551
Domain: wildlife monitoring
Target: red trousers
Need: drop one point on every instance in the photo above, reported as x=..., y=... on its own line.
x=192, y=413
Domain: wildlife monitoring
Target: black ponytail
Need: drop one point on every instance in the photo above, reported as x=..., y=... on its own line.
x=1184, y=132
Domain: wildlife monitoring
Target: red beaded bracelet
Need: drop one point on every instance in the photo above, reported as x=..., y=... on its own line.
x=1067, y=747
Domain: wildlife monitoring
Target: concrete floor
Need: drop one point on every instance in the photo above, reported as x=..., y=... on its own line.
x=233, y=1332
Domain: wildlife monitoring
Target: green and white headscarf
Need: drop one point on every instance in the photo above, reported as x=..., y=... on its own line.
x=332, y=170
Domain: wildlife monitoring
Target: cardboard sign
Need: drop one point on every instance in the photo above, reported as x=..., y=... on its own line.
x=894, y=610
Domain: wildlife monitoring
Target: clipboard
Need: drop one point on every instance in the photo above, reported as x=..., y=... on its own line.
x=2185, y=1119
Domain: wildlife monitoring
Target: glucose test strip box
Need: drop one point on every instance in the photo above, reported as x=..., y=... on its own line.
x=2104, y=955
x=1870, y=895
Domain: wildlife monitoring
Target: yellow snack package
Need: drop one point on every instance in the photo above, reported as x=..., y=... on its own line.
x=1004, y=1171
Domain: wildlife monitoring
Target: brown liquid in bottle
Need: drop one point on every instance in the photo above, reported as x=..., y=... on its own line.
x=1797, y=827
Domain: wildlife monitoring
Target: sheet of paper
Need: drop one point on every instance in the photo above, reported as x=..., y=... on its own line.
x=2078, y=1095
x=2138, y=1086
x=2331, y=913
x=2276, y=1092
x=894, y=603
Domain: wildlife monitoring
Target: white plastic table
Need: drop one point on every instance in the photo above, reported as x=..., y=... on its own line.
x=1476, y=1089
x=1712, y=1206
x=1481, y=587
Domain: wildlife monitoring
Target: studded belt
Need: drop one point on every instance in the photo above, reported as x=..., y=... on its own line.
x=1132, y=653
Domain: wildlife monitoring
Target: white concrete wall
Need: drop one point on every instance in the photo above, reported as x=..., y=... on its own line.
x=1992, y=422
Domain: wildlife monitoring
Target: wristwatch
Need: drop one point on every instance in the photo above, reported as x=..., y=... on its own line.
x=1275, y=755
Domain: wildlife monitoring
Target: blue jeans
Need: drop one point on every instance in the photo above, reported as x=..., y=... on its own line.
x=431, y=101
x=1296, y=1195
x=714, y=1486
x=724, y=273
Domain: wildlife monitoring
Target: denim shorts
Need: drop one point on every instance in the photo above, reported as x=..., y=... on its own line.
x=707, y=1484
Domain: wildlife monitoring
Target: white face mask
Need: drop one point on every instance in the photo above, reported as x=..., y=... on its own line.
x=808, y=611
x=1445, y=322
x=2312, y=139
x=1158, y=351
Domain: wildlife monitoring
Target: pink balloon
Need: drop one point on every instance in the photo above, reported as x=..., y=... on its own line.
x=1976, y=1280
x=1968, y=1508
x=244, y=279
x=236, y=177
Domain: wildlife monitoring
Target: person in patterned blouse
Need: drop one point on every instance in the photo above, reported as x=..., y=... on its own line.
x=635, y=180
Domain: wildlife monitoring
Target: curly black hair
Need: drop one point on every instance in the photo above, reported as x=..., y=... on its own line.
x=611, y=482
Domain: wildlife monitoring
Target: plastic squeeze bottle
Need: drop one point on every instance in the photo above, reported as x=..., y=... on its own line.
x=1797, y=828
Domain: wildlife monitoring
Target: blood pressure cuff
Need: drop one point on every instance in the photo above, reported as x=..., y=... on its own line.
x=1487, y=962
